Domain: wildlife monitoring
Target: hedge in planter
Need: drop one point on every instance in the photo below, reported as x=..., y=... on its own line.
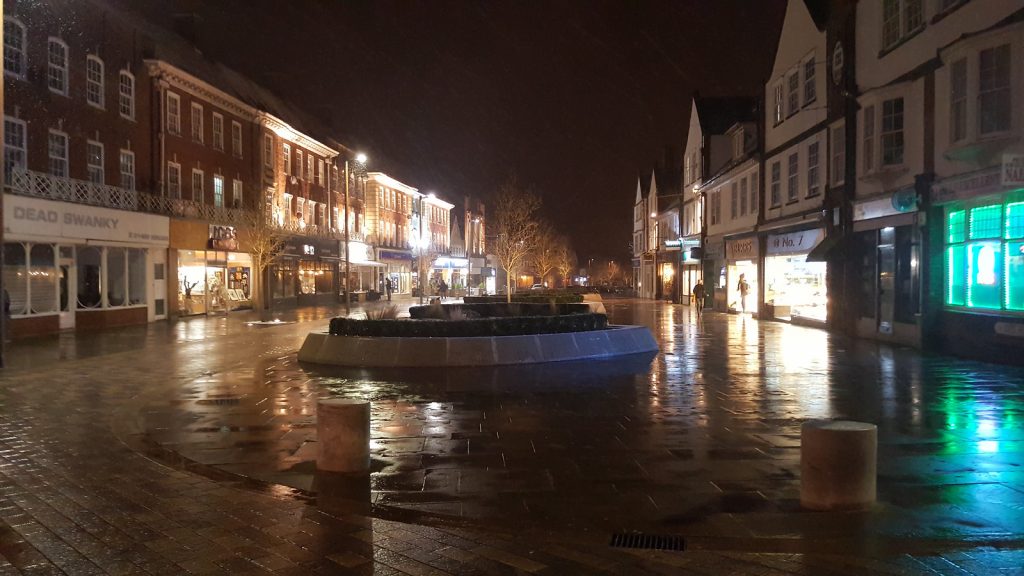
x=507, y=326
x=495, y=309
x=557, y=297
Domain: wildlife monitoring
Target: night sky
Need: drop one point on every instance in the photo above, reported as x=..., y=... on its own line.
x=451, y=97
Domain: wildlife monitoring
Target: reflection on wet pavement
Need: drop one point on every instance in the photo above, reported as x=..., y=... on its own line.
x=702, y=440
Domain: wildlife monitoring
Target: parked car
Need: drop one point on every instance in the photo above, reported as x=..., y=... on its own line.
x=537, y=287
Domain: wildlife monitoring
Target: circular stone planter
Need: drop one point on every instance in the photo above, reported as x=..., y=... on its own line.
x=379, y=352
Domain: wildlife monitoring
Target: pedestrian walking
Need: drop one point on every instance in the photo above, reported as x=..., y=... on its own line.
x=698, y=296
x=444, y=289
x=743, y=288
x=388, y=288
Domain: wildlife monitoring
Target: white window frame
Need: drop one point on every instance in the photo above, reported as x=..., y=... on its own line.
x=309, y=167
x=904, y=28
x=199, y=190
x=810, y=79
x=173, y=114
x=793, y=92
x=737, y=144
x=15, y=29
x=196, y=123
x=218, y=190
x=299, y=157
x=734, y=197
x=217, y=129
x=775, y=189
x=127, y=176
x=1007, y=87
x=126, y=98
x=236, y=139
x=57, y=72
x=837, y=154
x=793, y=177
x=320, y=171
x=779, y=106
x=95, y=86
x=813, y=169
x=743, y=196
x=95, y=169
x=49, y=152
x=236, y=194
x=11, y=148
x=174, y=184
x=286, y=154
x=893, y=134
x=268, y=150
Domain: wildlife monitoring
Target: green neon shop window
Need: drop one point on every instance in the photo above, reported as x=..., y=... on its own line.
x=1015, y=276
x=955, y=228
x=1015, y=220
x=956, y=275
x=986, y=221
x=984, y=275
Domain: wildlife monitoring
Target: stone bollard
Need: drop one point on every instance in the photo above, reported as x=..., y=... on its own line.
x=838, y=464
x=343, y=436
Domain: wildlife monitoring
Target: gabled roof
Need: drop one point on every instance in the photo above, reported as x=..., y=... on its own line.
x=717, y=115
x=644, y=183
x=456, y=240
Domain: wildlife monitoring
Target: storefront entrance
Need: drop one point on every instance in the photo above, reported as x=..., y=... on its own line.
x=213, y=282
x=795, y=289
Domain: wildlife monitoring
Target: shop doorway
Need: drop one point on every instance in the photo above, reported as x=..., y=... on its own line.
x=886, y=288
x=747, y=269
x=68, y=289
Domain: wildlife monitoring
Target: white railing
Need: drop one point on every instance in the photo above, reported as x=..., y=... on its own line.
x=181, y=208
x=49, y=187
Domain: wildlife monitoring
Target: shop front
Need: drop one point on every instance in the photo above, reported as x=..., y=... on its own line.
x=742, y=256
x=887, y=253
x=690, y=268
x=715, y=273
x=454, y=273
x=398, y=265
x=307, y=272
x=671, y=254
x=213, y=277
x=363, y=269
x=982, y=259
x=795, y=288
x=69, y=266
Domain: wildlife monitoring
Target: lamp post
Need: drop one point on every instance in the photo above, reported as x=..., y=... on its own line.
x=361, y=160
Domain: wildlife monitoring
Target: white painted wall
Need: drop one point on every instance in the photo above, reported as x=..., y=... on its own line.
x=804, y=202
x=742, y=223
x=887, y=179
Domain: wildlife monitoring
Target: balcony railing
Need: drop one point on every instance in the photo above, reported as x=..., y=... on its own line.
x=181, y=208
x=39, y=185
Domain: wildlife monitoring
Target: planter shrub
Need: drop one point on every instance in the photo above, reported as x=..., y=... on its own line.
x=492, y=326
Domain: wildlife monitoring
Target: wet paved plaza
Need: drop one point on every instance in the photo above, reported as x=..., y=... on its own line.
x=501, y=470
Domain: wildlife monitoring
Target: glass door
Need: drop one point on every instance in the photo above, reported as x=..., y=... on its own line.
x=68, y=287
x=886, y=287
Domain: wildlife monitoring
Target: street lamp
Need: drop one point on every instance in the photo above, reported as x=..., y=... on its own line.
x=361, y=163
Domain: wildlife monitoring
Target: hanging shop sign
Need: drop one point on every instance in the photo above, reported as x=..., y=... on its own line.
x=742, y=249
x=223, y=238
x=795, y=242
x=46, y=218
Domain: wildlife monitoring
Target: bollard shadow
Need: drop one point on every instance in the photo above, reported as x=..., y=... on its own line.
x=338, y=493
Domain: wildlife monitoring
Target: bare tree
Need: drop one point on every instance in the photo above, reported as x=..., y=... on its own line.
x=265, y=242
x=515, y=227
x=566, y=260
x=544, y=256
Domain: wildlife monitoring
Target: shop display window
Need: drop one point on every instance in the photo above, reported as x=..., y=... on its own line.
x=42, y=277
x=116, y=276
x=15, y=277
x=985, y=262
x=136, y=276
x=89, y=260
x=796, y=288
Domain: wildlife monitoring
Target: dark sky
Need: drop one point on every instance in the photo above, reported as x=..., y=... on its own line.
x=575, y=97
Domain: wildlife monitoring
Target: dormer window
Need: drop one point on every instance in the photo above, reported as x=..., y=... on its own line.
x=737, y=144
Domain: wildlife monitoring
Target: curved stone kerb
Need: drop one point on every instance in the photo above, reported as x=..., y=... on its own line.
x=324, y=348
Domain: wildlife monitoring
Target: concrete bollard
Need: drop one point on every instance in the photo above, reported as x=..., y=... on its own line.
x=343, y=436
x=838, y=464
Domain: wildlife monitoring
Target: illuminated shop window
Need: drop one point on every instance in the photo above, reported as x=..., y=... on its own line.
x=985, y=257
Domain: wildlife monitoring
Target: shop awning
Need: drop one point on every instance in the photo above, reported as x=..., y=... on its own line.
x=821, y=252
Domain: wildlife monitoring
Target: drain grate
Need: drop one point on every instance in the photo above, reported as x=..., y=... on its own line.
x=638, y=541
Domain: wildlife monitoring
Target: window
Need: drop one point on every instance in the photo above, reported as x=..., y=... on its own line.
x=94, y=81
x=14, y=145
x=236, y=139
x=298, y=163
x=268, y=150
x=128, y=169
x=813, y=180
x=754, y=200
x=734, y=206
x=197, y=185
x=985, y=257
x=892, y=132
x=737, y=144
x=197, y=122
x=218, y=131
x=14, y=48
x=687, y=172
x=777, y=106
x=286, y=154
x=716, y=207
x=309, y=167
x=173, y=113
x=838, y=154
x=994, y=90
x=173, y=180
x=218, y=191
x=743, y=197
x=126, y=95
x=57, y=66
x=793, y=180
x=94, y=161
x=57, y=145
x=236, y=193
x=810, y=90
x=793, y=94
x=868, y=151
x=900, y=20
x=320, y=172
x=776, y=192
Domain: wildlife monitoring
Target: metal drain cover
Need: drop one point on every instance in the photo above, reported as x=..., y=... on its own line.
x=638, y=541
